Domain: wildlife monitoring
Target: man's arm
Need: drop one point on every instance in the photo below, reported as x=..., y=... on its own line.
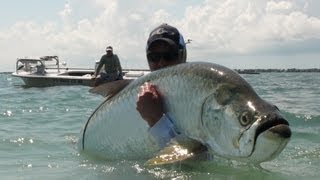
x=118, y=64
x=99, y=66
x=150, y=107
x=149, y=104
x=163, y=131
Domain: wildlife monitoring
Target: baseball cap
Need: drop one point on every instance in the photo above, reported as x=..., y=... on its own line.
x=109, y=48
x=166, y=33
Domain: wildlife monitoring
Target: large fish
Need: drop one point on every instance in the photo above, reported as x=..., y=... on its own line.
x=213, y=108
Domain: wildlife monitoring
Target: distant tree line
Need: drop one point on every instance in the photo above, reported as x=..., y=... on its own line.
x=256, y=71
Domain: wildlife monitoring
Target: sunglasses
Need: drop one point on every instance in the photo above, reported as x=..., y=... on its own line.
x=165, y=56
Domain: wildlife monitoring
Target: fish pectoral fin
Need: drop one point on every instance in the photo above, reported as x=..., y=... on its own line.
x=111, y=88
x=175, y=152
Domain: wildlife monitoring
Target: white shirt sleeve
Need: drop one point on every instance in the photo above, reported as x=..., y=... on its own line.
x=163, y=131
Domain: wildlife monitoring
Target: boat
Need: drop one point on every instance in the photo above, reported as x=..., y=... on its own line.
x=47, y=71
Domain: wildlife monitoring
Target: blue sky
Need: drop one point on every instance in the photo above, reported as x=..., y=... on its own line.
x=237, y=34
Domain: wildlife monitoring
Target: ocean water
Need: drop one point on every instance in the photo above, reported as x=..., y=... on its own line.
x=39, y=130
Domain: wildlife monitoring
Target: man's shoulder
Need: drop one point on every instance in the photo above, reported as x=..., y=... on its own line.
x=103, y=56
x=106, y=57
x=115, y=56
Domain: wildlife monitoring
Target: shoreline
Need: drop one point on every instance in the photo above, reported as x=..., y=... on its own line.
x=254, y=71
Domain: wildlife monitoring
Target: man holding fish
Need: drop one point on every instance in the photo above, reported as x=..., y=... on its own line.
x=217, y=112
x=165, y=47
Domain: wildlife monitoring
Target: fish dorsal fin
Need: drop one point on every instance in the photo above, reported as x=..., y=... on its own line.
x=111, y=88
x=177, y=151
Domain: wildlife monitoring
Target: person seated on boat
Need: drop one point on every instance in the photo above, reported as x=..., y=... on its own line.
x=112, y=67
x=165, y=47
x=40, y=69
x=25, y=67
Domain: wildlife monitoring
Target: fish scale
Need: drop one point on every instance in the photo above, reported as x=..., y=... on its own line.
x=116, y=130
x=118, y=115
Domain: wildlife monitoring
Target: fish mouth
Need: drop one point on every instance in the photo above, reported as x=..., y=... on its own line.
x=271, y=136
x=275, y=124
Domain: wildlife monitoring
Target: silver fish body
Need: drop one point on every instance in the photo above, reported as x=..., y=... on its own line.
x=208, y=103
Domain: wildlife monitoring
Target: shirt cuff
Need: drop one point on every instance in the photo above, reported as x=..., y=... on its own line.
x=163, y=131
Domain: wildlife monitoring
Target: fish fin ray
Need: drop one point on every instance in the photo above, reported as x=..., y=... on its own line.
x=110, y=89
x=177, y=151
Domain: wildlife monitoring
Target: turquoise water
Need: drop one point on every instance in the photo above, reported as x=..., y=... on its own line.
x=39, y=129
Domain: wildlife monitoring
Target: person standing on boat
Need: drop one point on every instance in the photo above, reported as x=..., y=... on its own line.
x=165, y=47
x=112, y=67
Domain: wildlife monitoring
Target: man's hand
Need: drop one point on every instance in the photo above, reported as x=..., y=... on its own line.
x=149, y=104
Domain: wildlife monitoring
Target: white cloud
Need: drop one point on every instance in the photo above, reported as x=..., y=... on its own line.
x=66, y=12
x=218, y=28
x=273, y=6
x=244, y=27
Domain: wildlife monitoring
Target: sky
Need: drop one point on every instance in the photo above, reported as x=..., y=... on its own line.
x=235, y=33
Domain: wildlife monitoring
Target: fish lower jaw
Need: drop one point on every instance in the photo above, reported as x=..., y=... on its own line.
x=270, y=143
x=281, y=130
x=234, y=154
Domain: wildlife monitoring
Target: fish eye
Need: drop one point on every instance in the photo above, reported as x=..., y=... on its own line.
x=245, y=119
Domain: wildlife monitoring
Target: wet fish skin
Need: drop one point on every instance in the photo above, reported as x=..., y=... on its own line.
x=207, y=102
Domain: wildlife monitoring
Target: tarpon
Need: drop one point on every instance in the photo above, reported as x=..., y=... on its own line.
x=212, y=107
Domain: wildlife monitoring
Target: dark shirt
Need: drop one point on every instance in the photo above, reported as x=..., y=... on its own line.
x=111, y=64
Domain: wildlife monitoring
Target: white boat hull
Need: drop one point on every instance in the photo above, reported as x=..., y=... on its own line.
x=42, y=81
x=69, y=78
x=45, y=71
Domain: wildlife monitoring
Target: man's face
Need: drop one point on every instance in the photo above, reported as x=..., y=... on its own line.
x=161, y=55
x=109, y=52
